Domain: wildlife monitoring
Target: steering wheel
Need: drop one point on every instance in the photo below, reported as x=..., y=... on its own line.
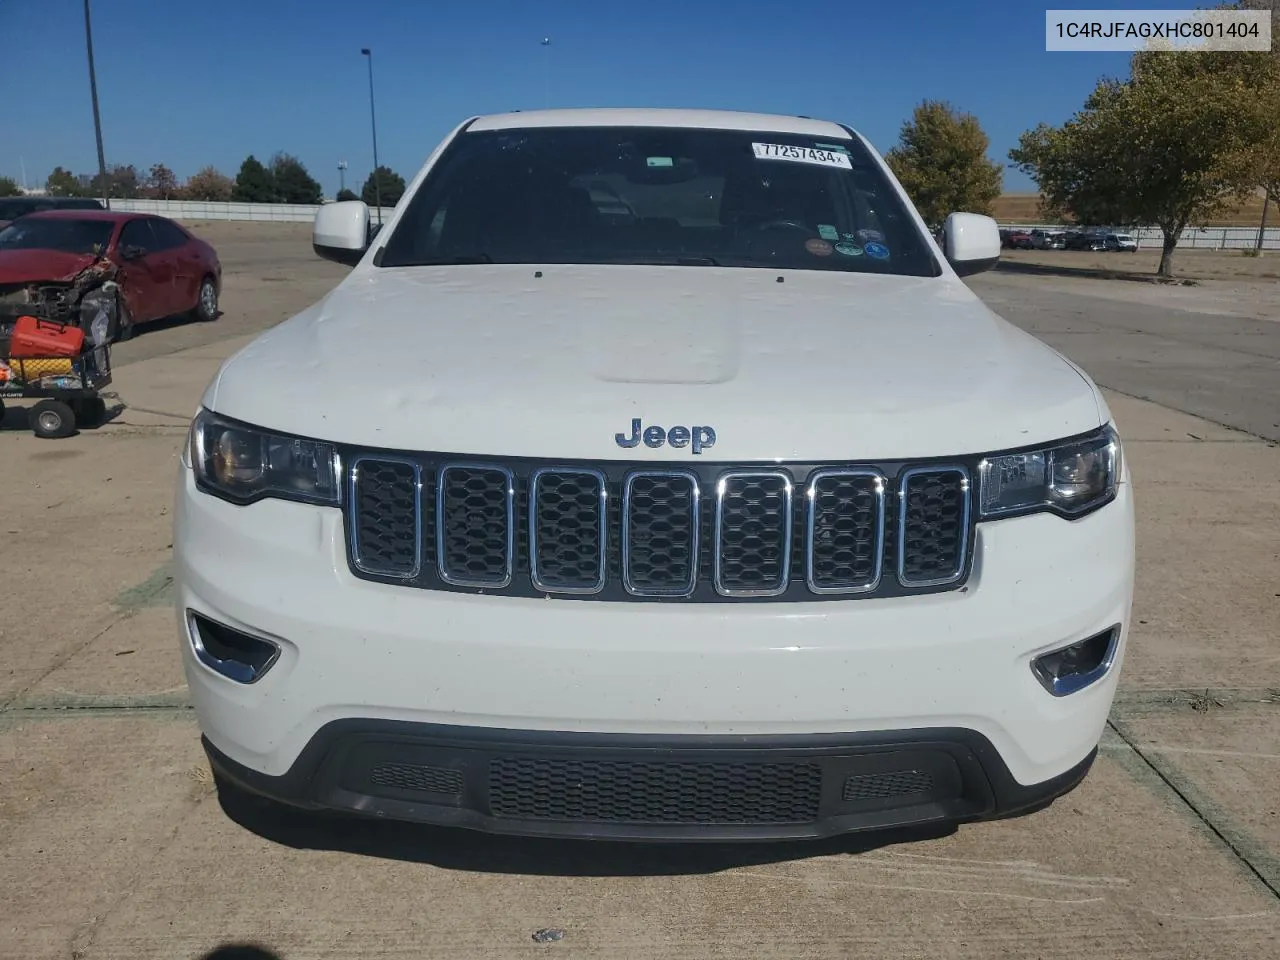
x=793, y=224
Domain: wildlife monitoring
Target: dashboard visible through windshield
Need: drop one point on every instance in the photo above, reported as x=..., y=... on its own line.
x=649, y=195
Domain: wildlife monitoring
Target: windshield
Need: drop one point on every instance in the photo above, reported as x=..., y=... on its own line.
x=65, y=236
x=659, y=195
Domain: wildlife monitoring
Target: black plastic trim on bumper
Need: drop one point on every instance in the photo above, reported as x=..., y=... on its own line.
x=335, y=772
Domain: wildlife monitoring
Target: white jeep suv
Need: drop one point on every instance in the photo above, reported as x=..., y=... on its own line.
x=653, y=475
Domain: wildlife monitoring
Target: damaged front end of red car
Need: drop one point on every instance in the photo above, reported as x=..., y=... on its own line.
x=89, y=298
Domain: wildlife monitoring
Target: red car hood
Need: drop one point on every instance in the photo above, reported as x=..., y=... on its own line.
x=33, y=266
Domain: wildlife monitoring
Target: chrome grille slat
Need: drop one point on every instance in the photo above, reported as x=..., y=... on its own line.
x=700, y=533
x=581, y=520
x=378, y=503
x=665, y=562
x=844, y=534
x=752, y=533
x=933, y=525
x=467, y=504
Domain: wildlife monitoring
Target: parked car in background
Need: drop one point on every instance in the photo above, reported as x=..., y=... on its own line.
x=1047, y=239
x=1018, y=240
x=1087, y=241
x=11, y=208
x=49, y=262
x=1121, y=242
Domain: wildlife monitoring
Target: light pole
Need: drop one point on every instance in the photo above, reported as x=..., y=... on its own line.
x=373, y=120
x=546, y=73
x=342, y=175
x=97, y=121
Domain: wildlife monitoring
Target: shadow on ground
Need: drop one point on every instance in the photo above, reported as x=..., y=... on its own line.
x=169, y=323
x=18, y=417
x=1093, y=273
x=240, y=951
x=471, y=851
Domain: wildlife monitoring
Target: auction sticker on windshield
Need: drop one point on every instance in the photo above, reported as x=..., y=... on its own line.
x=783, y=151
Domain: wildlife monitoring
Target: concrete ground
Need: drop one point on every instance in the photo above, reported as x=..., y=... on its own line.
x=113, y=843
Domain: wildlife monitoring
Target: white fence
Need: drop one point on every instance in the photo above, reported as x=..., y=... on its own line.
x=195, y=210
x=1193, y=238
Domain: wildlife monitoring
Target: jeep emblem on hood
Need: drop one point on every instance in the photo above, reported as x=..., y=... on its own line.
x=699, y=438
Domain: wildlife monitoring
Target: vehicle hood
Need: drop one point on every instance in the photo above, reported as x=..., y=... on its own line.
x=41, y=266
x=553, y=362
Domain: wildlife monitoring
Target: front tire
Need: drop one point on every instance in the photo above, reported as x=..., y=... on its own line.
x=206, y=307
x=52, y=420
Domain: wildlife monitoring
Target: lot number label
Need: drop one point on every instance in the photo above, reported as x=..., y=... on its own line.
x=782, y=151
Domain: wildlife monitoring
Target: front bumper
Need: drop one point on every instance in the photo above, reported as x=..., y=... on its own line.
x=951, y=668
x=631, y=787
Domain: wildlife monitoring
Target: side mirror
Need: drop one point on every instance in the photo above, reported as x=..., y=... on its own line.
x=971, y=243
x=131, y=252
x=341, y=231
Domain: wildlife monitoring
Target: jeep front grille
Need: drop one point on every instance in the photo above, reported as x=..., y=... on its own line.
x=618, y=531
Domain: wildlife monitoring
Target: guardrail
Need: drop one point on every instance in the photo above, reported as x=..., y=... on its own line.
x=194, y=210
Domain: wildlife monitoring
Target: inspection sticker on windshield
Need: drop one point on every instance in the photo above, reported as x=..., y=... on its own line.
x=783, y=151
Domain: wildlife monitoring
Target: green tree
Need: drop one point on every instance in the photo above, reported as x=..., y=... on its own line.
x=122, y=181
x=1176, y=143
x=161, y=183
x=254, y=183
x=9, y=187
x=63, y=183
x=941, y=161
x=346, y=193
x=1269, y=150
x=293, y=183
x=390, y=184
x=208, y=184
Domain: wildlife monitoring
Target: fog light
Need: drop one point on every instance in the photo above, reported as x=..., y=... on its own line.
x=236, y=655
x=1073, y=668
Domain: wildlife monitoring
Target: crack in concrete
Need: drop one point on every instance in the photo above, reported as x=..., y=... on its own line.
x=1125, y=706
x=184, y=417
x=1251, y=854
x=61, y=660
x=1263, y=438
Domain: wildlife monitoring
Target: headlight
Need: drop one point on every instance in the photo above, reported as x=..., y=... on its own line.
x=241, y=463
x=1070, y=479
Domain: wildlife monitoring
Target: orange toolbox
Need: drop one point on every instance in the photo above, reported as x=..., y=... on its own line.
x=33, y=337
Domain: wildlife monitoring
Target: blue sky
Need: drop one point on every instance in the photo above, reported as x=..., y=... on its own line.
x=191, y=84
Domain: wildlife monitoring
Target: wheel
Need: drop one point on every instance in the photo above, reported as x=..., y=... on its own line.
x=90, y=412
x=52, y=420
x=206, y=307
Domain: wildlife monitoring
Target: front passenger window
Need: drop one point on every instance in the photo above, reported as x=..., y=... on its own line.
x=168, y=236
x=137, y=233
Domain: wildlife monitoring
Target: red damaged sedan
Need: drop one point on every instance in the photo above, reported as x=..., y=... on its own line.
x=52, y=261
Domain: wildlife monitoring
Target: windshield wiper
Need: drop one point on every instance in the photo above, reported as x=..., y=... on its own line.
x=663, y=261
x=460, y=258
